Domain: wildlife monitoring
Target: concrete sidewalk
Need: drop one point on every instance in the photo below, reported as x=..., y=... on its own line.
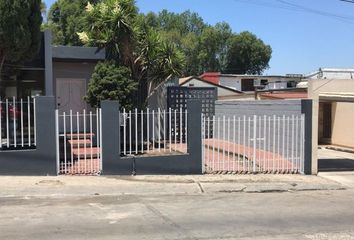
x=154, y=185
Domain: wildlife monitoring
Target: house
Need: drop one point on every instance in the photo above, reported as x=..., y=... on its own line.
x=333, y=114
x=60, y=71
x=332, y=73
x=247, y=83
x=223, y=92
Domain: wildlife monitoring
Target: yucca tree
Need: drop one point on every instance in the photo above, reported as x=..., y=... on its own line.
x=116, y=26
x=156, y=60
x=110, y=25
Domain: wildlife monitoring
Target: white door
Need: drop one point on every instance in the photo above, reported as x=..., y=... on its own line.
x=70, y=94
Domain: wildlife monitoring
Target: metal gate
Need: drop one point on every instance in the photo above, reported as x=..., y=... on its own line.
x=79, y=142
x=253, y=144
x=177, y=98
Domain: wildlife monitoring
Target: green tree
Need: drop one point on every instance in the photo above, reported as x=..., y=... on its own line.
x=110, y=24
x=65, y=19
x=20, y=36
x=116, y=26
x=247, y=54
x=111, y=82
x=213, y=47
x=156, y=59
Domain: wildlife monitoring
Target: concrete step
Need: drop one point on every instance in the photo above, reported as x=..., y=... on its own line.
x=80, y=135
x=80, y=143
x=83, y=167
x=80, y=153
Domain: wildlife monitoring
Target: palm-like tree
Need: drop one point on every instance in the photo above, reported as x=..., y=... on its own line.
x=110, y=25
x=116, y=26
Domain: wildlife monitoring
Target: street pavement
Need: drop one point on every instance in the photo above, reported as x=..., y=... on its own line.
x=63, y=186
x=176, y=207
x=286, y=215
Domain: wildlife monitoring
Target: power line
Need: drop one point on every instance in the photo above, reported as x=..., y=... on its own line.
x=319, y=12
x=348, y=1
x=286, y=5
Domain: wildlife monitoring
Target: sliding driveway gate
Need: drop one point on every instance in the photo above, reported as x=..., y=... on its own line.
x=253, y=144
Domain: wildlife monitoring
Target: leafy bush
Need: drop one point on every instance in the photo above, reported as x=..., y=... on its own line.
x=111, y=82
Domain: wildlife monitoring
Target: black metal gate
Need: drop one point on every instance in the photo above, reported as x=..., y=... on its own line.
x=177, y=98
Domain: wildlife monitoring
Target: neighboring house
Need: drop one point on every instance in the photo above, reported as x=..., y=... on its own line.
x=223, y=92
x=246, y=83
x=333, y=113
x=60, y=71
x=331, y=73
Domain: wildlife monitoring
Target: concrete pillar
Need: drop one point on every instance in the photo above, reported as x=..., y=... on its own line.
x=112, y=163
x=194, y=131
x=48, y=63
x=306, y=108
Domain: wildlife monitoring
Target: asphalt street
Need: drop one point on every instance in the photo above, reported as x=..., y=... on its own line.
x=286, y=215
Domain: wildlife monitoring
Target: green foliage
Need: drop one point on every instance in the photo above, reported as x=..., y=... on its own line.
x=247, y=54
x=111, y=82
x=209, y=48
x=157, y=59
x=65, y=19
x=20, y=36
x=110, y=24
x=129, y=40
x=213, y=47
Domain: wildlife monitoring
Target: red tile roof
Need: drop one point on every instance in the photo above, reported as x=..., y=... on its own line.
x=213, y=77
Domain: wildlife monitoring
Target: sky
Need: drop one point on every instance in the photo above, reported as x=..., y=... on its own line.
x=305, y=37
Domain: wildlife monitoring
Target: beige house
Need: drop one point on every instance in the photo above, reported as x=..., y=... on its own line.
x=333, y=114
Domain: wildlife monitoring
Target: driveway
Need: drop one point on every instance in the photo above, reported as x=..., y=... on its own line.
x=336, y=166
x=331, y=160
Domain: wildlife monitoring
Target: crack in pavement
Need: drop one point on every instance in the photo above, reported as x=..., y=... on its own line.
x=181, y=231
x=200, y=187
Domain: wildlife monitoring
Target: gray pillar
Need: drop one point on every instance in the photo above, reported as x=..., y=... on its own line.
x=112, y=163
x=306, y=108
x=48, y=63
x=194, y=108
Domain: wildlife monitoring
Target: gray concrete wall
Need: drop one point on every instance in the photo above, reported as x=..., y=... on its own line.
x=42, y=160
x=114, y=164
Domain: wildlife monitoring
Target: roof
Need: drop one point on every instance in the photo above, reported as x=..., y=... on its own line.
x=290, y=76
x=213, y=77
x=337, y=96
x=285, y=95
x=331, y=70
x=185, y=80
x=78, y=53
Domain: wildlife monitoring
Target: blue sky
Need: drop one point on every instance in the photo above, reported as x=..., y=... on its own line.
x=302, y=39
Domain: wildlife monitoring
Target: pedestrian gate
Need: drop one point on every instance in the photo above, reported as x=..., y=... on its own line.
x=79, y=142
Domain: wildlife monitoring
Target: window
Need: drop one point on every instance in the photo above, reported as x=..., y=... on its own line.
x=247, y=84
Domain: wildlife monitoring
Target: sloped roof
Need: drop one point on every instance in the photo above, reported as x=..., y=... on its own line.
x=185, y=80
